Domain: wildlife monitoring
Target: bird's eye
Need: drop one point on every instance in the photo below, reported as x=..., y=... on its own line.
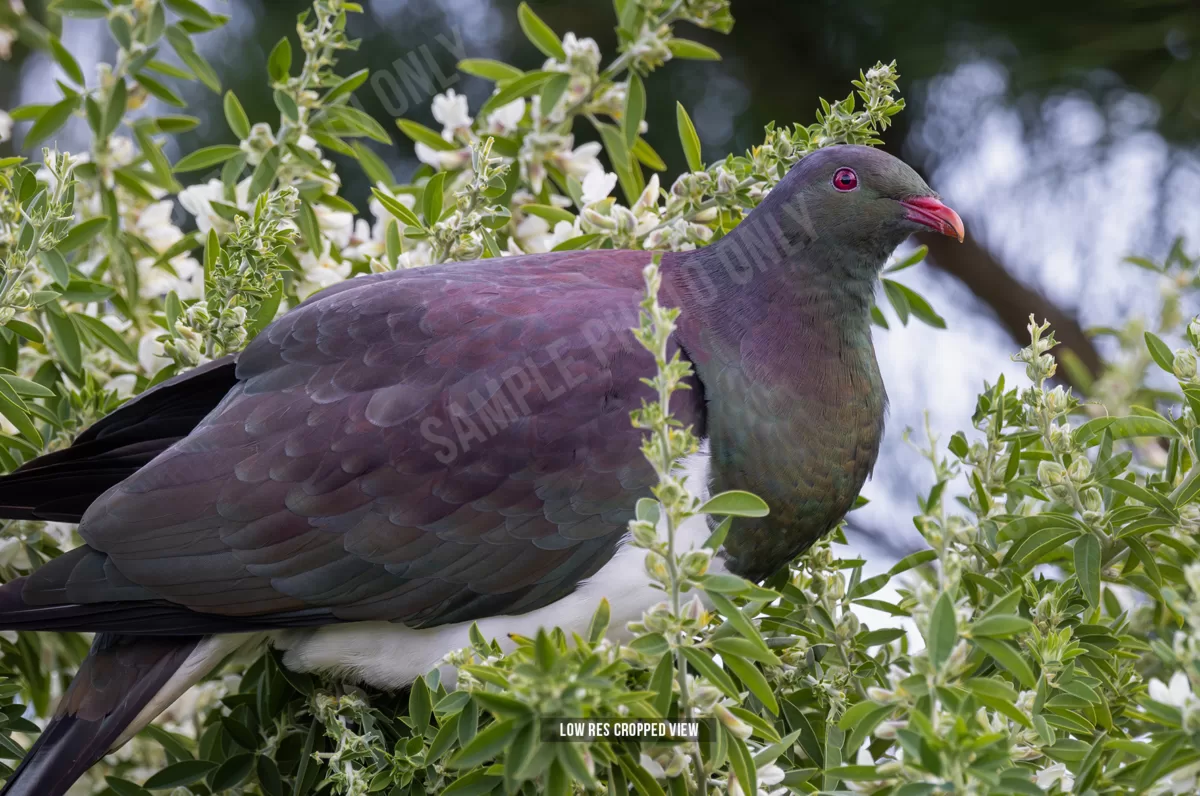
x=844, y=179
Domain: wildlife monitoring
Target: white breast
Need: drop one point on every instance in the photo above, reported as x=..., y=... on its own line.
x=388, y=655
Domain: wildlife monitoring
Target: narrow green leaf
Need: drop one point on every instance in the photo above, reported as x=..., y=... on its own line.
x=694, y=50
x=235, y=115
x=635, y=109
x=1087, y=567
x=488, y=69
x=688, y=138
x=1160, y=353
x=207, y=157
x=540, y=34
x=943, y=631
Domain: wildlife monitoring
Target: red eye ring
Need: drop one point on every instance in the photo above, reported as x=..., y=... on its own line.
x=844, y=179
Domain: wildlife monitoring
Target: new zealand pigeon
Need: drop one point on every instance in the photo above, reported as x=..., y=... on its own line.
x=407, y=453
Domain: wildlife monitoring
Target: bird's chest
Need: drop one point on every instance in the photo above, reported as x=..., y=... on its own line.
x=805, y=445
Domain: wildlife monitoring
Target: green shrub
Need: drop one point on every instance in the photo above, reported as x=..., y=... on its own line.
x=1030, y=643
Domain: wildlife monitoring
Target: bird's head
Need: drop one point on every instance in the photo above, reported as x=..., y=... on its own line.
x=858, y=199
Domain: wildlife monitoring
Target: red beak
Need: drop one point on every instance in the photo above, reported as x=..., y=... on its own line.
x=932, y=213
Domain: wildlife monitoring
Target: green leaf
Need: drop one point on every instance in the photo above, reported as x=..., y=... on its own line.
x=1002, y=626
x=1087, y=567
x=48, y=123
x=123, y=787
x=753, y=679
x=432, y=197
x=232, y=772
x=735, y=503
x=66, y=60
x=736, y=618
x=898, y=299
x=106, y=335
x=420, y=704
x=422, y=134
x=540, y=34
x=398, y=210
x=488, y=69
x=57, y=266
x=486, y=745
x=717, y=538
x=474, y=783
x=18, y=417
x=552, y=91
x=918, y=306
x=513, y=89
x=599, y=624
x=647, y=156
x=65, y=339
x=114, y=111
x=741, y=762
x=279, y=63
x=192, y=11
x=235, y=116
x=688, y=138
x=269, y=780
x=1159, y=352
x=159, y=90
x=704, y=664
x=635, y=109
x=578, y=242
x=694, y=50
x=943, y=631
x=181, y=774
x=207, y=157
x=1009, y=658
x=26, y=330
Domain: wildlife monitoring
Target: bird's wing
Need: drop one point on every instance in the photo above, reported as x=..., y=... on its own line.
x=436, y=446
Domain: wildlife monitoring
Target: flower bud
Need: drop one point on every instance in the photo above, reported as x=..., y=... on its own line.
x=656, y=567
x=695, y=563
x=1184, y=365
x=1050, y=473
x=1080, y=470
x=735, y=725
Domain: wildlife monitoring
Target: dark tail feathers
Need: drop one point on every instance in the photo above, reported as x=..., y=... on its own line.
x=61, y=485
x=120, y=676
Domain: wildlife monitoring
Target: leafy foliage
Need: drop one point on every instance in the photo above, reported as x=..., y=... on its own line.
x=1026, y=651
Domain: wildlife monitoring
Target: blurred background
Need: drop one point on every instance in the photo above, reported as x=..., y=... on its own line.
x=1065, y=134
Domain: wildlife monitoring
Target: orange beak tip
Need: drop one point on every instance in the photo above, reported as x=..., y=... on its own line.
x=931, y=212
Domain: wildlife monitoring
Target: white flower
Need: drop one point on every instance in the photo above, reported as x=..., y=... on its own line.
x=505, y=119
x=320, y=272
x=6, y=125
x=580, y=161
x=452, y=111
x=583, y=55
x=150, y=352
x=1177, y=693
x=187, y=281
x=153, y=224
x=445, y=160
x=336, y=225
x=122, y=385
x=1057, y=773
x=651, y=767
x=7, y=37
x=597, y=185
x=122, y=150
x=197, y=200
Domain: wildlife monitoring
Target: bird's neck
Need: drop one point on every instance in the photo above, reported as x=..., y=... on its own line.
x=795, y=403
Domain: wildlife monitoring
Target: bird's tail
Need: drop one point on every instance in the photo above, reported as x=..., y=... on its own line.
x=124, y=682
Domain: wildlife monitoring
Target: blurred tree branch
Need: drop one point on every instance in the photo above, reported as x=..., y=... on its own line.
x=1010, y=299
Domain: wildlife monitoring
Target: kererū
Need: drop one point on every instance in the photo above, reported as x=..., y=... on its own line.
x=405, y=454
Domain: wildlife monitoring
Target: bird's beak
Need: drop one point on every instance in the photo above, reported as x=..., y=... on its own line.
x=932, y=213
